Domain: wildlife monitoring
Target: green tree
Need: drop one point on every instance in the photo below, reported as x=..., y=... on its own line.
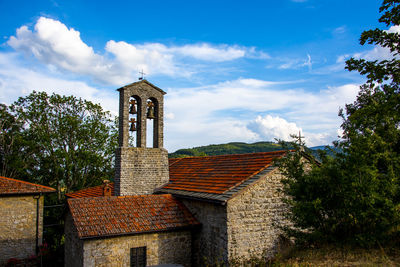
x=355, y=196
x=11, y=148
x=71, y=142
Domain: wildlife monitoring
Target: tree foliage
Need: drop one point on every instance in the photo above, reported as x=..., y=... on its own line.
x=355, y=196
x=60, y=141
x=11, y=151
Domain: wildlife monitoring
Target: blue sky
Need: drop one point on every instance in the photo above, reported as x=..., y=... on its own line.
x=233, y=70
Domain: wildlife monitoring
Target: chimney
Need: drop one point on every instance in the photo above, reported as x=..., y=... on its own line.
x=107, y=188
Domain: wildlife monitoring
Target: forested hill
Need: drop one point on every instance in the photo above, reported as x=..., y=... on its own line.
x=223, y=149
x=237, y=148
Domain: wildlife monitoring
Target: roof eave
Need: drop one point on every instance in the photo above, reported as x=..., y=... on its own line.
x=187, y=227
x=25, y=193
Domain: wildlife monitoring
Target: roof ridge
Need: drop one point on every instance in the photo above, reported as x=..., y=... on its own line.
x=71, y=194
x=121, y=197
x=25, y=182
x=176, y=161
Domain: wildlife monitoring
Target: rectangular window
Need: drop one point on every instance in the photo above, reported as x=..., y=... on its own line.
x=138, y=257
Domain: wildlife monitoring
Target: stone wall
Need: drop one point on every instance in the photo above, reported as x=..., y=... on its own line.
x=140, y=171
x=210, y=242
x=253, y=216
x=73, y=248
x=18, y=226
x=161, y=248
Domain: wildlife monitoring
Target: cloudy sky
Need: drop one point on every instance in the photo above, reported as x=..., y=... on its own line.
x=244, y=71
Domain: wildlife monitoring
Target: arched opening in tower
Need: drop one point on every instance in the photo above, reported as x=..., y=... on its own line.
x=152, y=116
x=134, y=121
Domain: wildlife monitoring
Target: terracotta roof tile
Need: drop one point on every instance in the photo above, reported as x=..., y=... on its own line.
x=9, y=186
x=110, y=216
x=95, y=191
x=217, y=174
x=211, y=175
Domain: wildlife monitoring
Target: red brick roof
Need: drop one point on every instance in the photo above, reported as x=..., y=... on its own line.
x=9, y=186
x=217, y=174
x=210, y=175
x=111, y=216
x=95, y=191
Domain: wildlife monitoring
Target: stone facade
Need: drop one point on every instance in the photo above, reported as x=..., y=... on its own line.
x=210, y=243
x=139, y=170
x=18, y=226
x=253, y=217
x=141, y=92
x=246, y=226
x=161, y=248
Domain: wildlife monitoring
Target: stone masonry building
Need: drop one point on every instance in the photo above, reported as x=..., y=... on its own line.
x=190, y=211
x=21, y=218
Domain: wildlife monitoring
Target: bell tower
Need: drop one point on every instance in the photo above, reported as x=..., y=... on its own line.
x=140, y=169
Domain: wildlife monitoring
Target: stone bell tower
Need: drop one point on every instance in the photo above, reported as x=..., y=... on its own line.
x=139, y=169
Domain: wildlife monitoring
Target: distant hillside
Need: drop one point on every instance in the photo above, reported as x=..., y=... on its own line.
x=224, y=149
x=234, y=148
x=328, y=149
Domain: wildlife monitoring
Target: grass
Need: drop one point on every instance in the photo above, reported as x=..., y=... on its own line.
x=338, y=256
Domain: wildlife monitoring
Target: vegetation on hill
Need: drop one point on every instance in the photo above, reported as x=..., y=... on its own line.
x=223, y=149
x=241, y=148
x=354, y=198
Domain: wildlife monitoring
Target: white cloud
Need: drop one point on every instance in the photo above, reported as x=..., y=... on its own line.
x=376, y=53
x=340, y=30
x=209, y=53
x=273, y=127
x=296, y=63
x=394, y=29
x=379, y=52
x=308, y=62
x=54, y=44
x=230, y=111
x=151, y=58
x=16, y=81
x=216, y=113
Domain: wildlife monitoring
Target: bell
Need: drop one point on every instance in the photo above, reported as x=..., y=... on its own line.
x=132, y=108
x=150, y=111
x=132, y=128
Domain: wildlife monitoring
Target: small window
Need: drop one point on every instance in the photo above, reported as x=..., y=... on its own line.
x=138, y=257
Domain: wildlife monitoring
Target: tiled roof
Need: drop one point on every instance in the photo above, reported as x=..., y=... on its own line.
x=112, y=216
x=217, y=174
x=215, y=178
x=95, y=191
x=218, y=198
x=9, y=186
